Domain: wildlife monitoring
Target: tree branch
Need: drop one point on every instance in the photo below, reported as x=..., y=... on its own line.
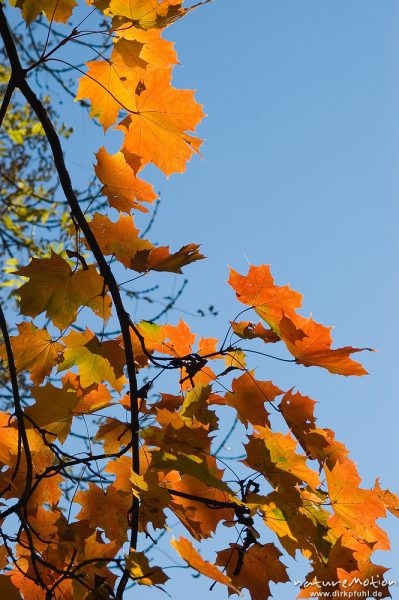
x=19, y=78
x=22, y=435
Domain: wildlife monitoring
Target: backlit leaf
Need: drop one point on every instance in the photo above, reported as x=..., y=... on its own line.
x=274, y=455
x=310, y=343
x=34, y=351
x=96, y=361
x=249, y=396
x=192, y=558
x=59, y=291
x=53, y=411
x=257, y=289
x=140, y=570
x=159, y=128
x=357, y=509
x=123, y=189
x=254, y=568
x=55, y=10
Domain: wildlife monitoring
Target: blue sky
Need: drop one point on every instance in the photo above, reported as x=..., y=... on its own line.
x=300, y=170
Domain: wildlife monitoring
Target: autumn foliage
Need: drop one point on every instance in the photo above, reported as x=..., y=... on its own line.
x=97, y=453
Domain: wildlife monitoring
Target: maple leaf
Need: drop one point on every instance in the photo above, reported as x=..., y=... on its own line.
x=253, y=569
x=90, y=399
x=141, y=571
x=53, y=410
x=310, y=343
x=153, y=498
x=114, y=434
x=249, y=396
x=121, y=467
x=159, y=119
x=389, y=499
x=177, y=433
x=13, y=481
x=96, y=361
x=297, y=411
x=322, y=445
x=348, y=560
x=123, y=189
x=109, y=85
x=93, y=547
x=157, y=129
x=34, y=351
x=188, y=553
x=189, y=464
x=148, y=335
x=107, y=509
x=149, y=47
x=147, y=14
x=196, y=516
x=44, y=523
x=55, y=10
x=329, y=570
x=122, y=240
x=170, y=402
x=178, y=339
x=298, y=518
x=274, y=455
x=235, y=359
x=258, y=290
x=160, y=259
x=195, y=407
x=130, y=51
x=56, y=289
x=355, y=508
x=3, y=557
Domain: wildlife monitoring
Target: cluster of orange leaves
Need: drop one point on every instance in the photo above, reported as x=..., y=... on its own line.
x=310, y=500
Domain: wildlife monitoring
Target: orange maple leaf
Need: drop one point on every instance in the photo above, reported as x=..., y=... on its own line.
x=193, y=558
x=254, y=568
x=123, y=189
x=34, y=351
x=258, y=290
x=310, y=343
x=158, y=128
x=354, y=508
x=249, y=396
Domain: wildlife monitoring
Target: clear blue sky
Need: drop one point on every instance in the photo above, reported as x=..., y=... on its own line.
x=300, y=170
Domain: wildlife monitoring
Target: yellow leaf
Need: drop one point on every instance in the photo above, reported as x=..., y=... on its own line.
x=97, y=361
x=141, y=571
x=55, y=10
